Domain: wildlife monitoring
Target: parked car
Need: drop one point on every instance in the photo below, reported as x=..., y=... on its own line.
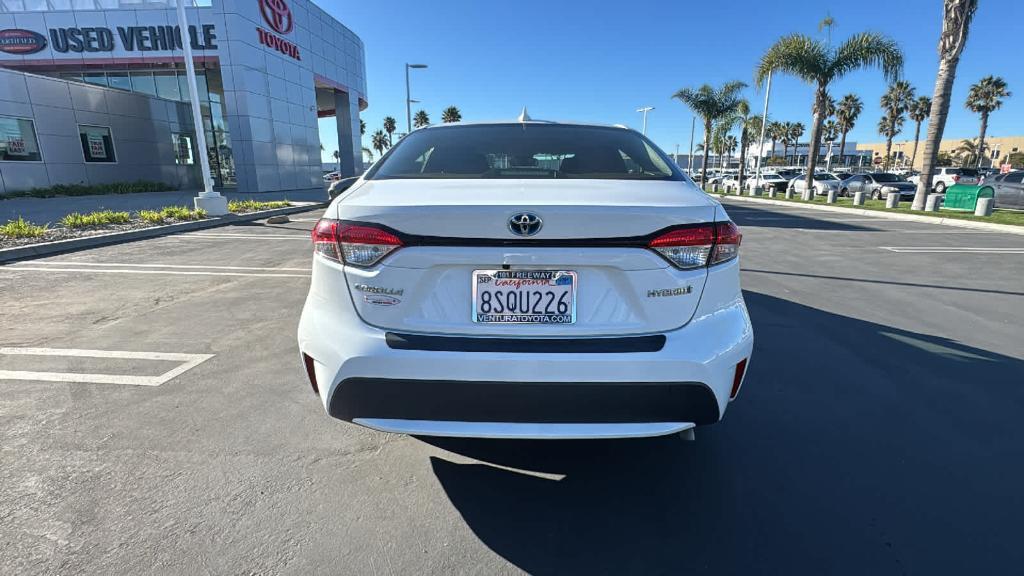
x=823, y=183
x=877, y=185
x=332, y=176
x=1008, y=190
x=945, y=177
x=732, y=181
x=769, y=180
x=461, y=293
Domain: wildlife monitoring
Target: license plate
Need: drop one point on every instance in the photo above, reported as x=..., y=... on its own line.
x=524, y=296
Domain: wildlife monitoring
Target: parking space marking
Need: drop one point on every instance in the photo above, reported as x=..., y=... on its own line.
x=206, y=235
x=21, y=268
x=188, y=362
x=952, y=250
x=175, y=266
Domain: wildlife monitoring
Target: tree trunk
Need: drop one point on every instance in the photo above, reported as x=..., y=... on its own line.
x=917, y=136
x=842, y=147
x=773, y=149
x=888, y=149
x=813, y=146
x=704, y=162
x=785, y=151
x=936, y=125
x=981, y=136
x=743, y=157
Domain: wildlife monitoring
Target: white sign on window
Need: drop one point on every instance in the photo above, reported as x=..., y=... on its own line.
x=16, y=146
x=97, y=149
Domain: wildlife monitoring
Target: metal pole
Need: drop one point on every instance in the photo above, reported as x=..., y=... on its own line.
x=760, y=140
x=197, y=119
x=408, y=101
x=689, y=161
x=644, y=111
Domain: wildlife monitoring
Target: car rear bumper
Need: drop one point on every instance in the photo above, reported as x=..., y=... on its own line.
x=680, y=379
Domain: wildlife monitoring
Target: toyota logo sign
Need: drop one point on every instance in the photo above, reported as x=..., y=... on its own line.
x=277, y=15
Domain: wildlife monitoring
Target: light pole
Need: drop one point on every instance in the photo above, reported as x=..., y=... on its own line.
x=408, y=97
x=209, y=199
x=644, y=111
x=764, y=124
x=689, y=161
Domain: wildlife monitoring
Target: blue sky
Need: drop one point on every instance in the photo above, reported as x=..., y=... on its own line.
x=599, y=61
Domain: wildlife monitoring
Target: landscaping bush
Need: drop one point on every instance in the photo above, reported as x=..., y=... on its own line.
x=21, y=228
x=254, y=205
x=182, y=213
x=76, y=220
x=90, y=189
x=151, y=216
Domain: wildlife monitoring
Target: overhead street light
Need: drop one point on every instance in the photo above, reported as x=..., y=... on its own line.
x=644, y=111
x=408, y=97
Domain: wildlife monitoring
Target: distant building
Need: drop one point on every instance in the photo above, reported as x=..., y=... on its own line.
x=996, y=150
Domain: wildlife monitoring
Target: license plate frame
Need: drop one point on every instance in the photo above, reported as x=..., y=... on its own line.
x=551, y=276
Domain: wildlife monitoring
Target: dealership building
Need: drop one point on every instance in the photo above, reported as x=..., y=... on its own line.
x=94, y=91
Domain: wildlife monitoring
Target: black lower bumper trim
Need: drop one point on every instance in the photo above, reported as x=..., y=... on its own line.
x=613, y=345
x=541, y=402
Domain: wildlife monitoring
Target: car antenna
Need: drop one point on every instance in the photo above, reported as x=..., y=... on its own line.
x=524, y=116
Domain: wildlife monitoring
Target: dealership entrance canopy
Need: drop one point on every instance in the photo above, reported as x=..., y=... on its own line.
x=94, y=91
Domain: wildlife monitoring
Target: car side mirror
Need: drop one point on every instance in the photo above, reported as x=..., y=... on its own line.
x=340, y=186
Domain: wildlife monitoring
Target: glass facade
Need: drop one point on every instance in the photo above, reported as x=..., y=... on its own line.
x=172, y=84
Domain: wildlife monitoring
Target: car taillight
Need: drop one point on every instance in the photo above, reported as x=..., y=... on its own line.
x=355, y=244
x=699, y=246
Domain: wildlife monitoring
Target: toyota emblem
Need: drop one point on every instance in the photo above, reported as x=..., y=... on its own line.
x=525, y=224
x=277, y=15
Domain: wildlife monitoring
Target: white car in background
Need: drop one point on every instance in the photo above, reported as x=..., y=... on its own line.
x=768, y=180
x=525, y=280
x=946, y=176
x=824, y=182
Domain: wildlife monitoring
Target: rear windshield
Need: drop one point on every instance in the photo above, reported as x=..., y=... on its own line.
x=970, y=172
x=820, y=177
x=525, y=151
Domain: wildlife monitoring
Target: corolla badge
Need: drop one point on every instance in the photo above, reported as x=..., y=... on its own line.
x=381, y=300
x=525, y=224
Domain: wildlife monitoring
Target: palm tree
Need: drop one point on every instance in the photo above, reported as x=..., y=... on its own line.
x=774, y=131
x=956, y=22
x=983, y=98
x=896, y=100
x=785, y=128
x=362, y=126
x=847, y=112
x=889, y=126
x=819, y=64
x=421, y=119
x=451, y=114
x=919, y=111
x=390, y=125
x=711, y=104
x=796, y=130
x=968, y=152
x=379, y=141
x=829, y=132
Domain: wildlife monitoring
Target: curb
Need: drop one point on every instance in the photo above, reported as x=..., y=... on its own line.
x=989, y=226
x=73, y=244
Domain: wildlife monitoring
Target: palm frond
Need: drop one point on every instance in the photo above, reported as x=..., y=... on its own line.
x=867, y=50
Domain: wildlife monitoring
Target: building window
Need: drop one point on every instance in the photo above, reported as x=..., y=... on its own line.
x=97, y=145
x=18, y=140
x=167, y=85
x=183, y=149
x=119, y=80
x=143, y=82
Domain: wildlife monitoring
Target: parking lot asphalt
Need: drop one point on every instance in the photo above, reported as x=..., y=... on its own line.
x=155, y=419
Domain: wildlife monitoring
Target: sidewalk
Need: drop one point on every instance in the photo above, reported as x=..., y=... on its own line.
x=44, y=210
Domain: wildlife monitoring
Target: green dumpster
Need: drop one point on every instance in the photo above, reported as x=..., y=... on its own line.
x=963, y=198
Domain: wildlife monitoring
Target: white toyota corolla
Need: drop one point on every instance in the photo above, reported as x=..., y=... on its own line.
x=526, y=280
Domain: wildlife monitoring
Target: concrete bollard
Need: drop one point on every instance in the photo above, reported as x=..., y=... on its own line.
x=858, y=198
x=933, y=202
x=831, y=199
x=755, y=190
x=983, y=207
x=714, y=188
x=808, y=195
x=789, y=193
x=892, y=200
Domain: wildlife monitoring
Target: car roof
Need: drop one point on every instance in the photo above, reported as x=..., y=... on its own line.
x=526, y=122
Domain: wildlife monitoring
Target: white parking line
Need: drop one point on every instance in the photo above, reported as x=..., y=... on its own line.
x=952, y=250
x=188, y=361
x=20, y=268
x=206, y=235
x=176, y=266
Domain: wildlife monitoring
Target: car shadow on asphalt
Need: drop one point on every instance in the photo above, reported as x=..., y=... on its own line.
x=853, y=448
x=749, y=216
